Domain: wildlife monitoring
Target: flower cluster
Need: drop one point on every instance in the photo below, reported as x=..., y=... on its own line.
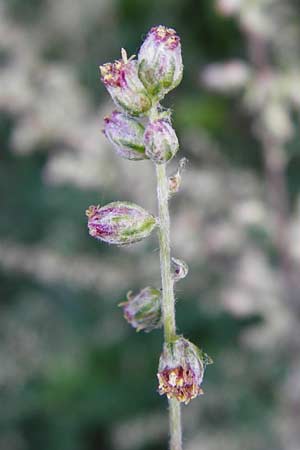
x=141, y=129
x=181, y=370
x=136, y=86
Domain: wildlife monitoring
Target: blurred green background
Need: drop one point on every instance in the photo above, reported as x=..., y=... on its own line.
x=73, y=374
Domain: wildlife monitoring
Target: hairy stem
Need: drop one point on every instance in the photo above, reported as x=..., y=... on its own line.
x=168, y=299
x=175, y=425
x=168, y=302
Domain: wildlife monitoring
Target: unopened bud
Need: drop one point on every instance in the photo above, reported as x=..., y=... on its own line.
x=174, y=183
x=181, y=370
x=179, y=268
x=126, y=134
x=161, y=142
x=175, y=180
x=122, y=82
x=120, y=223
x=160, y=61
x=143, y=310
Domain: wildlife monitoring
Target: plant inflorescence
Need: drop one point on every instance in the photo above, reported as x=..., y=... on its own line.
x=141, y=129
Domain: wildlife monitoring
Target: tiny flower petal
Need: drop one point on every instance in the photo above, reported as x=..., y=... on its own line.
x=120, y=223
x=126, y=134
x=160, y=61
x=181, y=370
x=123, y=84
x=161, y=142
x=143, y=310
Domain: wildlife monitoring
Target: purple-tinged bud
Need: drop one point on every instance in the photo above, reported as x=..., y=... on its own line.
x=160, y=61
x=143, y=310
x=181, y=370
x=161, y=142
x=123, y=84
x=179, y=268
x=175, y=180
x=120, y=223
x=126, y=134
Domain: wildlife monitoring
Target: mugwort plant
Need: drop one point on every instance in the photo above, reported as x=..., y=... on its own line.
x=141, y=129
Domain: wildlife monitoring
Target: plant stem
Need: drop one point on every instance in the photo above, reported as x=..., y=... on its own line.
x=168, y=299
x=175, y=425
x=168, y=302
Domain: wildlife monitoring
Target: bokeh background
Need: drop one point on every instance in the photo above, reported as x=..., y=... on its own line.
x=73, y=374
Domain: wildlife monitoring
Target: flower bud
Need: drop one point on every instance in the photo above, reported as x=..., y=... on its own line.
x=160, y=61
x=174, y=183
x=122, y=82
x=175, y=180
x=126, y=134
x=179, y=269
x=143, y=310
x=120, y=223
x=181, y=370
x=161, y=142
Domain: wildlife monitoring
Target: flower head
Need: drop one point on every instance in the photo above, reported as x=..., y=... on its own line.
x=122, y=82
x=181, y=370
x=160, y=61
x=126, y=134
x=161, y=142
x=120, y=223
x=143, y=310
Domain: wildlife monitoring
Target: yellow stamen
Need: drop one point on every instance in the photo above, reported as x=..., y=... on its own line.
x=161, y=32
x=179, y=382
x=171, y=40
x=105, y=69
x=108, y=77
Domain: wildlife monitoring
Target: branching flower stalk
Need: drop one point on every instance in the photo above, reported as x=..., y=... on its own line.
x=141, y=129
